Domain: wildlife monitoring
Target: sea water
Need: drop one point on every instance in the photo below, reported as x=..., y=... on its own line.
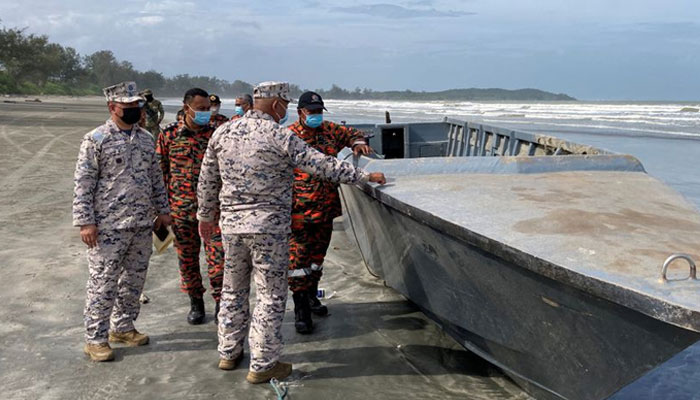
x=665, y=137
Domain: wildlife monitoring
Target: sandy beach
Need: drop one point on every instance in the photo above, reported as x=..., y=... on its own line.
x=374, y=344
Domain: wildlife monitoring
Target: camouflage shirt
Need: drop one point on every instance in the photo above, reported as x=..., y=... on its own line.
x=181, y=152
x=316, y=200
x=154, y=113
x=248, y=171
x=118, y=183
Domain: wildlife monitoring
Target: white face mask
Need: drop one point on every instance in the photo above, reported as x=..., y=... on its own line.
x=215, y=110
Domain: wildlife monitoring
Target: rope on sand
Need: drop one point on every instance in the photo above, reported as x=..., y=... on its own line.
x=279, y=390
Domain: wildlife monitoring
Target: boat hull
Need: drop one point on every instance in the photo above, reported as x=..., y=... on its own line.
x=555, y=340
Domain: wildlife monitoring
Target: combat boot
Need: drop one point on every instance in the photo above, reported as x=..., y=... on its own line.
x=196, y=315
x=216, y=313
x=99, y=352
x=302, y=312
x=132, y=338
x=228, y=365
x=281, y=370
x=316, y=306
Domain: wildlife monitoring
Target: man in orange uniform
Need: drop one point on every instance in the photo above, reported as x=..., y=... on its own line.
x=315, y=203
x=181, y=147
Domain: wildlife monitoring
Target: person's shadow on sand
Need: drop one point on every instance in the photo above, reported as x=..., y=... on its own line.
x=392, y=361
x=347, y=320
x=172, y=342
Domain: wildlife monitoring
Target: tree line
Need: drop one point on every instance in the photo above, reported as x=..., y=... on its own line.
x=473, y=94
x=31, y=64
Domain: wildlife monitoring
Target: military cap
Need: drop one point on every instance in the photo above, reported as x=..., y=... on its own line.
x=214, y=99
x=125, y=92
x=147, y=92
x=269, y=90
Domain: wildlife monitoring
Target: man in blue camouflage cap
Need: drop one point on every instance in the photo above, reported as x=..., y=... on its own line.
x=119, y=191
x=246, y=185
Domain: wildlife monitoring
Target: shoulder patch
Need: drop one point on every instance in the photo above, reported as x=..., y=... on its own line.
x=98, y=136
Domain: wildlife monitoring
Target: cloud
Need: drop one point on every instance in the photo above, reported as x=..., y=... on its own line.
x=420, y=3
x=633, y=48
x=311, y=3
x=394, y=11
x=150, y=20
x=167, y=6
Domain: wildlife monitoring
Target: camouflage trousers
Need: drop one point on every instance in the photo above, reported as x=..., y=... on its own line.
x=265, y=257
x=187, y=244
x=117, y=269
x=307, y=250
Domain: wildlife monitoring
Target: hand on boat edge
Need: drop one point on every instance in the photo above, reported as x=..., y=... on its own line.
x=377, y=177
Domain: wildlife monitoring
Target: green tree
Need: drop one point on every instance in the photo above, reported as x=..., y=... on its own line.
x=21, y=55
x=152, y=80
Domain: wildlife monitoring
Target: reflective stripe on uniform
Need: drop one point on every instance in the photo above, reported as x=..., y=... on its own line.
x=295, y=273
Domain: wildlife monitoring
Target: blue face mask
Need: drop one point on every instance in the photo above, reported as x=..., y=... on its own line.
x=201, y=117
x=284, y=119
x=239, y=110
x=314, y=120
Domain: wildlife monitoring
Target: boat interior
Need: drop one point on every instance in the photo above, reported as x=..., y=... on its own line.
x=455, y=138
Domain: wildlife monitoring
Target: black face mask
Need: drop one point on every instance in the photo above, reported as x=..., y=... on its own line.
x=149, y=98
x=131, y=115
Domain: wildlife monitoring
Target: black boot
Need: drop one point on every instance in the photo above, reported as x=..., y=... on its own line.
x=196, y=315
x=216, y=313
x=316, y=306
x=302, y=312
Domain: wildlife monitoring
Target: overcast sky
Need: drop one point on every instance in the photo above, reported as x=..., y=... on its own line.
x=590, y=49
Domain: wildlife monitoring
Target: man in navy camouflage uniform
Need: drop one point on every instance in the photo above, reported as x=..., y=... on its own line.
x=246, y=183
x=118, y=193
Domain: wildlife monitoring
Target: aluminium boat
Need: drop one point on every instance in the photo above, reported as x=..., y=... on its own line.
x=567, y=266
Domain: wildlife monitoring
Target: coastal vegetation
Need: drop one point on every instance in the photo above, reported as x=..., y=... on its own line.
x=32, y=65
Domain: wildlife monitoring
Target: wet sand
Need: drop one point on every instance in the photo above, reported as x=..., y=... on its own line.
x=374, y=344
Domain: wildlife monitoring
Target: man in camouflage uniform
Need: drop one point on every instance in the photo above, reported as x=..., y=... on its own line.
x=247, y=174
x=315, y=205
x=154, y=113
x=216, y=119
x=118, y=193
x=181, y=147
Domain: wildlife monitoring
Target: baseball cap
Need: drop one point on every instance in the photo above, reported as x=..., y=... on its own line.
x=311, y=101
